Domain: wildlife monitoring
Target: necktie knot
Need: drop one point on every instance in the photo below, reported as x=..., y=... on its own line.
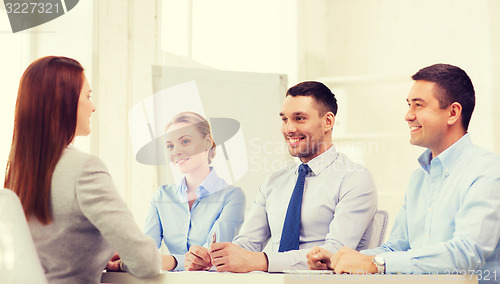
x=304, y=169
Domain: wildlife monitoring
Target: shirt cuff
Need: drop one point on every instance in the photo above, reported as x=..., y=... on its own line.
x=292, y=260
x=180, y=261
x=397, y=262
x=374, y=251
x=123, y=267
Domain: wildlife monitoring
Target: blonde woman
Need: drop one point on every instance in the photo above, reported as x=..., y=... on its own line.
x=202, y=204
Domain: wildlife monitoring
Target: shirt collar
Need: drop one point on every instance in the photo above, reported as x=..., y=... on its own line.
x=449, y=157
x=208, y=186
x=322, y=161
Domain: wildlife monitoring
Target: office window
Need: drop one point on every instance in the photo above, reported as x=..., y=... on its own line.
x=255, y=36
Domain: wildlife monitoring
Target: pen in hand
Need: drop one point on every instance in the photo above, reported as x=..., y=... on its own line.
x=214, y=238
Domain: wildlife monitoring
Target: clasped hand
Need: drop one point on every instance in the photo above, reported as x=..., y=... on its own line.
x=346, y=260
x=225, y=257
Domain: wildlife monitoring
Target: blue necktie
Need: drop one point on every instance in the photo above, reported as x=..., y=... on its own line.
x=291, y=228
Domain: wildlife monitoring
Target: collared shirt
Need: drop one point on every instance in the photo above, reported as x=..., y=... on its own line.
x=338, y=204
x=219, y=208
x=450, y=220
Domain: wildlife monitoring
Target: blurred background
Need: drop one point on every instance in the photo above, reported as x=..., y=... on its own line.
x=364, y=50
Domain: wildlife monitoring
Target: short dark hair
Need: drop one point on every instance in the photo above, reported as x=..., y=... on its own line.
x=454, y=85
x=321, y=93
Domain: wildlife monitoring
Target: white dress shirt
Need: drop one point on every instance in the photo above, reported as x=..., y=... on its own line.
x=338, y=204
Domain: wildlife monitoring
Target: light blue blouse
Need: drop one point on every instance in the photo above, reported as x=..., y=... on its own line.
x=220, y=208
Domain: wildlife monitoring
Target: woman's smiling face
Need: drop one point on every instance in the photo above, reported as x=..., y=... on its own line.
x=186, y=147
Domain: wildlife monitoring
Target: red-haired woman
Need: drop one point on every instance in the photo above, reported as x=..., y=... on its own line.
x=76, y=217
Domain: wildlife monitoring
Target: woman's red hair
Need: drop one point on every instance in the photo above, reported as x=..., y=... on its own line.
x=44, y=125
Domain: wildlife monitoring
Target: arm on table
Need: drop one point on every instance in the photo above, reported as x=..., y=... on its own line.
x=353, y=213
x=255, y=232
x=103, y=206
x=347, y=260
x=230, y=257
x=227, y=225
x=245, y=254
x=478, y=216
x=398, y=240
x=152, y=225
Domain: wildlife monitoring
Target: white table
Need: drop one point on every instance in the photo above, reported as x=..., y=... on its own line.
x=209, y=277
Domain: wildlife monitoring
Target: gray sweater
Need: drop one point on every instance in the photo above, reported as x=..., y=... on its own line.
x=90, y=223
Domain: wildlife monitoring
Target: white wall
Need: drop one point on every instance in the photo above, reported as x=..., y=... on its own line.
x=494, y=7
x=69, y=35
x=125, y=47
x=14, y=58
x=247, y=36
x=368, y=50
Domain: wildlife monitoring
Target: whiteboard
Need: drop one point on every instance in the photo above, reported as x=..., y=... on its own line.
x=253, y=100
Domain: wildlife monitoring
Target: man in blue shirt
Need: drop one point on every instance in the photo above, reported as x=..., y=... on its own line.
x=450, y=220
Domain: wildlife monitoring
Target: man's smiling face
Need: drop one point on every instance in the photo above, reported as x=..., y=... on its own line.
x=427, y=121
x=304, y=127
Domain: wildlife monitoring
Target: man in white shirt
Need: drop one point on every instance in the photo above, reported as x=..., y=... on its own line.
x=336, y=197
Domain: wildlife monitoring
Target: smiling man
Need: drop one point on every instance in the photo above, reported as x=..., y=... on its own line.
x=327, y=200
x=450, y=220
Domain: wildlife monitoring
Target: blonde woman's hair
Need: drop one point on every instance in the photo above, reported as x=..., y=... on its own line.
x=201, y=125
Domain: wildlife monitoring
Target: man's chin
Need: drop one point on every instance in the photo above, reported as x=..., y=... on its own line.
x=295, y=152
x=415, y=142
